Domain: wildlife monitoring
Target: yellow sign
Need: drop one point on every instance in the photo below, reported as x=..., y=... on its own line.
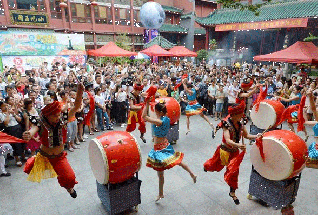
x=29, y=18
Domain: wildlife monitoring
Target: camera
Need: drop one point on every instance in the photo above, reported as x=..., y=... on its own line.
x=315, y=94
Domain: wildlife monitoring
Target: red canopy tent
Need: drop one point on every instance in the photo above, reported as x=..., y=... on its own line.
x=156, y=50
x=181, y=51
x=300, y=52
x=111, y=50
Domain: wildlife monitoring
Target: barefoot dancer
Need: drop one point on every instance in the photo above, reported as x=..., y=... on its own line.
x=227, y=153
x=163, y=156
x=193, y=107
x=51, y=161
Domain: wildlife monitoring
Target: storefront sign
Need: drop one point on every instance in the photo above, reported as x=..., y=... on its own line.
x=37, y=43
x=281, y=23
x=29, y=18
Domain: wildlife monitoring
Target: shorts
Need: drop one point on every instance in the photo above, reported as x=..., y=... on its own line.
x=219, y=107
x=71, y=131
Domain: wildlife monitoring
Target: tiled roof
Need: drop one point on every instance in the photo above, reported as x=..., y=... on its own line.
x=199, y=31
x=274, y=11
x=188, y=15
x=171, y=9
x=173, y=28
x=161, y=41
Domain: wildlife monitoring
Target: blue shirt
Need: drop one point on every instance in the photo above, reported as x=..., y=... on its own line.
x=193, y=96
x=162, y=131
x=295, y=102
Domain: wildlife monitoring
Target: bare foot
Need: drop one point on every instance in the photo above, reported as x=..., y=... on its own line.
x=194, y=178
x=159, y=198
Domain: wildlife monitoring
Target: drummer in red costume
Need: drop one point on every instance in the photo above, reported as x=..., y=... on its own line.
x=227, y=154
x=51, y=161
x=135, y=112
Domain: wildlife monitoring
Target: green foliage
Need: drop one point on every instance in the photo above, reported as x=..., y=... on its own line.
x=202, y=54
x=212, y=45
x=310, y=38
x=238, y=5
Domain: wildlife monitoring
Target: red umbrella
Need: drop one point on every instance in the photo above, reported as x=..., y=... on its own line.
x=181, y=51
x=156, y=50
x=111, y=50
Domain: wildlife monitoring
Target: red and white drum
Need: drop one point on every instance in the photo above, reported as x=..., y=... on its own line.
x=268, y=114
x=285, y=155
x=173, y=109
x=114, y=157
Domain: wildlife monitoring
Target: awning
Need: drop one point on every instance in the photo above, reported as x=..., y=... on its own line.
x=300, y=52
x=156, y=50
x=181, y=51
x=110, y=50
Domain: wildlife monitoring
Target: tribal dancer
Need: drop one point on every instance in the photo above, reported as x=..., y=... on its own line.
x=193, y=107
x=228, y=154
x=163, y=156
x=135, y=112
x=51, y=161
x=291, y=114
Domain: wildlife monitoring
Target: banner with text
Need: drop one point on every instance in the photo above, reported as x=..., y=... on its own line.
x=30, y=43
x=23, y=63
x=281, y=23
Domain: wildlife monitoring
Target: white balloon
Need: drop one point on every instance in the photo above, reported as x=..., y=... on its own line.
x=152, y=16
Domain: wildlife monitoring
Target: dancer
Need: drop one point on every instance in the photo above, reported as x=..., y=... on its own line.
x=193, y=107
x=163, y=156
x=135, y=112
x=227, y=154
x=291, y=114
x=51, y=161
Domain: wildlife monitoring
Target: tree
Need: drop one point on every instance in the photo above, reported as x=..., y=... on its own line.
x=212, y=45
x=202, y=54
x=310, y=38
x=236, y=4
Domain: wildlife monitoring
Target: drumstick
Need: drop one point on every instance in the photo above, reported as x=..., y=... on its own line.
x=266, y=130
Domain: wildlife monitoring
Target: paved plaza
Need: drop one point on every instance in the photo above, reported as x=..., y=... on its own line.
x=208, y=196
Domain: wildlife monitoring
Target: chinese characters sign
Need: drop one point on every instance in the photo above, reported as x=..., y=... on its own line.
x=37, y=43
x=281, y=23
x=29, y=18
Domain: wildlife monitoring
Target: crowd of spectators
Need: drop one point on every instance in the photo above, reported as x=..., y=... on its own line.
x=24, y=94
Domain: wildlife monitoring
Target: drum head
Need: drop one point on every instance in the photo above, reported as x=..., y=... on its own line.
x=265, y=116
x=278, y=163
x=98, y=161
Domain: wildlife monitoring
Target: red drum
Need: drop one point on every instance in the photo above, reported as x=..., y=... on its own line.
x=285, y=155
x=173, y=109
x=114, y=157
x=268, y=114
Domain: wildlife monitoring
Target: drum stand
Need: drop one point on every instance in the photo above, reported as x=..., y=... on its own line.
x=173, y=134
x=120, y=197
x=277, y=194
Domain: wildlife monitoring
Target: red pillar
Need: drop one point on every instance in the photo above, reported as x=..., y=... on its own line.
x=69, y=14
x=113, y=15
x=132, y=15
x=207, y=35
x=48, y=9
x=6, y=11
x=93, y=16
x=63, y=17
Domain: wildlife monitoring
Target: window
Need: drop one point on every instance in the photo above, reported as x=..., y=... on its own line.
x=103, y=15
x=137, y=22
x=168, y=19
x=105, y=1
x=81, y=13
x=33, y=5
x=122, y=16
x=1, y=8
x=56, y=12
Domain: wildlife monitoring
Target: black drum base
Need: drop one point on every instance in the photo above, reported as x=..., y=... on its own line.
x=277, y=194
x=173, y=134
x=117, y=198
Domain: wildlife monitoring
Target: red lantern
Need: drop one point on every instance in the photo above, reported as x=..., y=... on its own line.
x=63, y=4
x=94, y=3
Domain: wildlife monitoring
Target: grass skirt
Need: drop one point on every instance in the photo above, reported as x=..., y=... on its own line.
x=38, y=168
x=164, y=159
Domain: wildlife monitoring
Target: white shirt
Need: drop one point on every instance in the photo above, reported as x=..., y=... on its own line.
x=121, y=96
x=100, y=100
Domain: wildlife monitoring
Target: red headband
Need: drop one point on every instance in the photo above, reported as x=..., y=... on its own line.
x=237, y=109
x=247, y=85
x=51, y=109
x=138, y=87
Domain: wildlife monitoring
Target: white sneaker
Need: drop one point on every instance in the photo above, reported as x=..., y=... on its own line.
x=85, y=136
x=122, y=125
